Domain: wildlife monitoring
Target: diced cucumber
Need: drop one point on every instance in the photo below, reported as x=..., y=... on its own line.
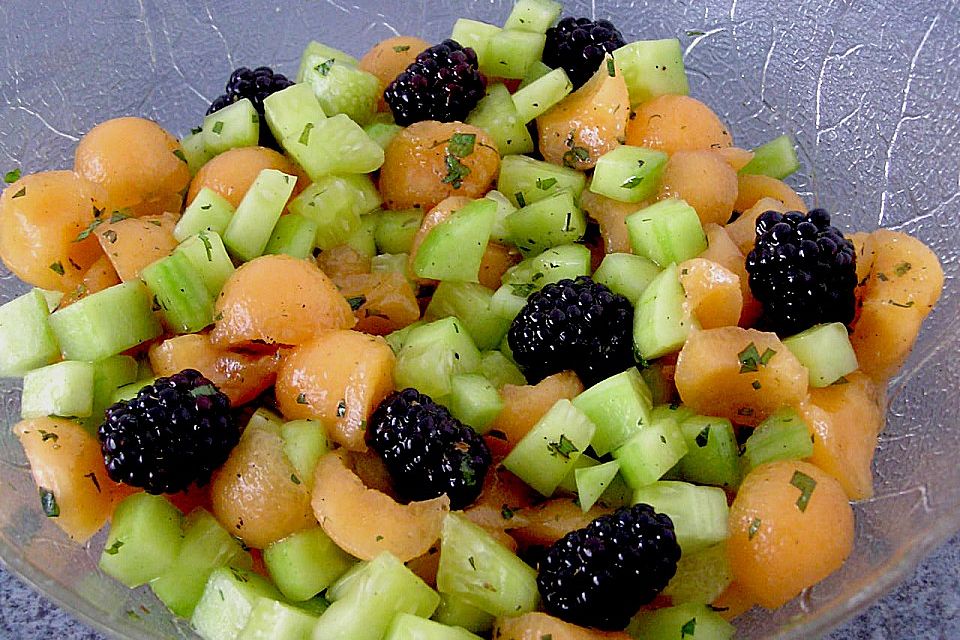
x=228, y=601
x=396, y=230
x=317, y=53
x=652, y=68
x=593, y=481
x=53, y=298
x=382, y=129
x=712, y=452
x=525, y=180
x=496, y=368
x=272, y=620
x=180, y=292
x=342, y=89
x=236, y=125
x=650, y=453
x=362, y=240
x=206, y=546
x=626, y=274
x=432, y=354
x=483, y=572
x=396, y=339
x=304, y=441
x=782, y=436
x=305, y=563
x=453, y=249
x=208, y=255
x=265, y=418
x=194, y=151
x=545, y=455
x=91, y=329
x=294, y=235
x=537, y=97
x=392, y=263
x=476, y=35
x=629, y=174
x=618, y=406
x=678, y=412
x=825, y=351
x=144, y=539
x=209, y=211
x=569, y=483
x=109, y=375
x=777, y=159
x=504, y=209
x=661, y=322
x=61, y=389
x=289, y=110
x=335, y=145
x=454, y=611
x=510, y=53
x=472, y=304
x=553, y=265
x=660, y=385
x=691, y=620
x=128, y=391
x=553, y=221
x=701, y=577
x=497, y=115
x=535, y=16
x=507, y=304
x=331, y=203
x=408, y=627
x=26, y=339
x=699, y=514
x=474, y=401
x=251, y=225
x=668, y=231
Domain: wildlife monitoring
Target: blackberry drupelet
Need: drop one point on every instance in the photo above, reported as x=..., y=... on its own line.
x=802, y=270
x=599, y=576
x=579, y=45
x=427, y=451
x=256, y=85
x=443, y=84
x=175, y=432
x=573, y=324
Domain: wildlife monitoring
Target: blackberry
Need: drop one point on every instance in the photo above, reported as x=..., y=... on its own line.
x=427, y=451
x=599, y=576
x=802, y=270
x=579, y=45
x=573, y=324
x=255, y=85
x=175, y=432
x=443, y=84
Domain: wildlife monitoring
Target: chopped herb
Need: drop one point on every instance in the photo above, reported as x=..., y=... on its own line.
x=902, y=268
x=20, y=194
x=117, y=216
x=302, y=398
x=689, y=628
x=400, y=48
x=255, y=118
x=356, y=302
x=562, y=448
x=466, y=470
x=901, y=304
x=546, y=636
x=631, y=183
x=48, y=502
x=12, y=176
x=379, y=538
x=206, y=245
x=324, y=67
x=180, y=155
x=238, y=575
x=294, y=479
x=114, y=549
x=218, y=317
x=204, y=390
x=570, y=158
x=882, y=277
x=110, y=236
x=506, y=512
x=456, y=171
x=695, y=33
x=522, y=290
x=461, y=144
x=717, y=609
x=196, y=130
x=611, y=68
x=806, y=484
x=218, y=127
x=754, y=527
x=46, y=435
x=521, y=201
x=756, y=385
x=547, y=184
x=93, y=479
x=206, y=207
x=766, y=356
x=305, y=134
x=473, y=563
x=566, y=225
x=83, y=235
x=341, y=408
x=751, y=360
x=57, y=268
x=703, y=437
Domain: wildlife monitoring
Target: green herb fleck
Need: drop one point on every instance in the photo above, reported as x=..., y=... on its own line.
x=117, y=216
x=218, y=127
x=461, y=144
x=206, y=245
x=468, y=473
x=57, y=268
x=93, y=479
x=456, y=171
x=546, y=184
x=754, y=527
x=703, y=437
x=902, y=268
x=689, y=628
x=324, y=67
x=20, y=194
x=902, y=305
x=294, y=479
x=749, y=359
x=180, y=155
x=356, y=302
x=341, y=408
x=546, y=636
x=305, y=134
x=882, y=277
x=12, y=176
x=379, y=538
x=114, y=549
x=238, y=575
x=756, y=385
x=611, y=68
x=48, y=502
x=196, y=130
x=563, y=448
x=767, y=355
x=695, y=33
x=473, y=563
x=806, y=484
x=302, y=398
x=46, y=435
x=204, y=390
x=521, y=201
x=83, y=235
x=400, y=48
x=522, y=290
x=570, y=158
x=506, y=512
x=632, y=183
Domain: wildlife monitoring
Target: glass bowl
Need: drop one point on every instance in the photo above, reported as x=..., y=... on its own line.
x=869, y=90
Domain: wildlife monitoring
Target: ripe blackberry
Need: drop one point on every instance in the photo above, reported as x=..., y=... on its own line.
x=443, y=84
x=802, y=270
x=599, y=576
x=573, y=324
x=427, y=451
x=176, y=431
x=579, y=45
x=255, y=85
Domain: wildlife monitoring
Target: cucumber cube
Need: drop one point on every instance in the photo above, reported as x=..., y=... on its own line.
x=668, y=231
x=228, y=601
x=504, y=209
x=474, y=401
x=26, y=339
x=471, y=303
x=535, y=16
x=304, y=441
x=305, y=563
x=290, y=110
x=334, y=145
x=180, y=292
x=650, y=453
x=317, y=53
x=209, y=211
x=432, y=354
x=593, y=481
x=61, y=389
x=553, y=265
x=236, y=125
x=382, y=129
x=272, y=620
x=546, y=454
x=455, y=612
x=825, y=351
x=677, y=412
x=92, y=329
x=408, y=627
x=626, y=274
x=629, y=174
x=509, y=53
x=496, y=368
x=547, y=223
x=396, y=230
x=652, y=68
x=476, y=35
x=363, y=239
x=195, y=153
x=537, y=97
x=683, y=621
x=619, y=407
x=265, y=419
x=777, y=159
x=398, y=338
x=129, y=391
x=483, y=572
x=497, y=115
x=144, y=539
x=701, y=577
x=251, y=225
x=536, y=71
x=343, y=89
x=453, y=249
x=392, y=263
x=569, y=483
x=332, y=205
x=782, y=436
x=525, y=180
x=294, y=236
x=109, y=375
x=661, y=321
x=506, y=303
x=712, y=452
x=699, y=514
x=209, y=257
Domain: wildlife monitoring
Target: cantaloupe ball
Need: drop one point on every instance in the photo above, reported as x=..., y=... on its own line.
x=790, y=527
x=743, y=230
x=343, y=260
x=549, y=521
x=42, y=216
x=704, y=180
x=676, y=123
x=132, y=244
x=753, y=188
x=712, y=293
x=139, y=164
x=525, y=405
x=611, y=215
x=429, y=161
x=736, y=157
x=722, y=250
x=231, y=173
x=389, y=58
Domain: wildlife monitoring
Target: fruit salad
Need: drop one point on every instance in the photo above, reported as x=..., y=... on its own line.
x=497, y=337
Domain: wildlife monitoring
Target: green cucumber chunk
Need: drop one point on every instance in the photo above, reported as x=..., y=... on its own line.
x=569, y=483
x=305, y=563
x=209, y=257
x=144, y=539
x=272, y=620
x=129, y=391
x=228, y=601
x=712, y=452
x=392, y=263
x=691, y=620
x=61, y=389
x=553, y=265
x=497, y=115
x=382, y=129
x=332, y=204
x=251, y=225
x=194, y=151
x=362, y=240
x=678, y=412
x=652, y=68
x=535, y=16
x=26, y=338
x=507, y=304
x=409, y=627
x=294, y=235
x=547, y=223
x=476, y=35
x=661, y=322
x=665, y=232
x=397, y=229
x=236, y=125
x=109, y=375
x=825, y=351
x=454, y=611
x=510, y=53
x=777, y=159
x=650, y=453
x=701, y=577
x=289, y=110
x=626, y=274
x=537, y=97
x=453, y=249
x=499, y=232
x=474, y=401
x=304, y=442
x=699, y=514
x=336, y=145
x=317, y=53
x=431, y=354
x=342, y=89
x=209, y=211
x=180, y=292
x=619, y=407
x=499, y=370
x=524, y=180
x=629, y=174
x=781, y=436
x=593, y=481
x=472, y=304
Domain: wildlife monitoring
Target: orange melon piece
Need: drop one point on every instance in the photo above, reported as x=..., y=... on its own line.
x=883, y=336
x=66, y=461
x=790, y=527
x=548, y=522
x=386, y=301
x=339, y=379
x=134, y=243
x=611, y=215
x=389, y=58
x=736, y=157
x=752, y=188
x=715, y=374
x=365, y=522
x=712, y=293
x=743, y=230
x=98, y=277
x=704, y=180
x=41, y=217
x=537, y=626
x=676, y=123
x=524, y=405
x=496, y=260
x=231, y=173
x=733, y=601
x=343, y=261
x=587, y=123
x=277, y=299
x=722, y=250
x=241, y=376
x=863, y=246
x=418, y=168
x=845, y=420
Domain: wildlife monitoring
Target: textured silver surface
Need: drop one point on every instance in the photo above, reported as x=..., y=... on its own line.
x=870, y=89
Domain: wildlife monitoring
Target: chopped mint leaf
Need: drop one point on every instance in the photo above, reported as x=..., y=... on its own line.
x=302, y=398
x=356, y=302
x=218, y=127
x=117, y=216
x=882, y=277
x=46, y=435
x=766, y=356
x=294, y=479
x=180, y=155
x=456, y=171
x=689, y=628
x=238, y=575
x=902, y=268
x=206, y=245
x=48, y=502
x=695, y=33
x=562, y=448
x=466, y=470
x=400, y=48
x=461, y=144
x=196, y=130
x=506, y=512
x=83, y=235
x=520, y=199
x=20, y=194
x=305, y=134
x=114, y=549
x=632, y=183
x=754, y=527
x=570, y=158
x=204, y=390
x=902, y=305
x=12, y=176
x=57, y=268
x=473, y=563
x=611, y=68
x=806, y=484
x=703, y=437
x=751, y=360
x=756, y=385
x=324, y=67
x=93, y=479
x=546, y=185
x=379, y=538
